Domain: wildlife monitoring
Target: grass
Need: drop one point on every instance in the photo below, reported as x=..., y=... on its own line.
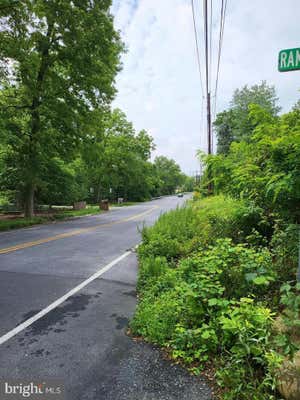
x=209, y=283
x=7, y=224
x=78, y=213
x=15, y=223
x=21, y=222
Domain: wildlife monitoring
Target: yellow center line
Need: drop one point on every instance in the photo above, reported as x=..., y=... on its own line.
x=73, y=233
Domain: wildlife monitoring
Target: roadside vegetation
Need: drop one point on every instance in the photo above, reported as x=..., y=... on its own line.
x=61, y=141
x=14, y=222
x=217, y=279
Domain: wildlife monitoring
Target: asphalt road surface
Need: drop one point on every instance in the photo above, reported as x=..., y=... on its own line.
x=58, y=323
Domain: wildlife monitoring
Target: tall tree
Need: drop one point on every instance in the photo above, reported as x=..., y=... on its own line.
x=224, y=126
x=266, y=169
x=235, y=123
x=117, y=158
x=58, y=62
x=169, y=175
x=297, y=105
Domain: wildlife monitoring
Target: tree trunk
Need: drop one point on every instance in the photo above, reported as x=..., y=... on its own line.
x=35, y=126
x=29, y=201
x=99, y=193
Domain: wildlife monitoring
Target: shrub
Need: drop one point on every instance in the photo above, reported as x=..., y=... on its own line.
x=210, y=274
x=183, y=231
x=150, y=269
x=156, y=319
x=284, y=244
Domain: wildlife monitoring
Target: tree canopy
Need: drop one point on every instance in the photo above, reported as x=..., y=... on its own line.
x=234, y=124
x=58, y=64
x=264, y=165
x=61, y=141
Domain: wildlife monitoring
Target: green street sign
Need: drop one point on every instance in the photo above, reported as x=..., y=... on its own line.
x=289, y=60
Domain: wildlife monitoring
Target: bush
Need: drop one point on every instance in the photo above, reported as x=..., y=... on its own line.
x=156, y=320
x=182, y=231
x=284, y=244
x=246, y=329
x=150, y=269
x=209, y=285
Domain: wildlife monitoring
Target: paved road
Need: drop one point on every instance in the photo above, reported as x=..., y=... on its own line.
x=82, y=341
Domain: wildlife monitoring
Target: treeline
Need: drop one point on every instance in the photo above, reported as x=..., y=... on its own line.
x=60, y=140
x=112, y=162
x=258, y=153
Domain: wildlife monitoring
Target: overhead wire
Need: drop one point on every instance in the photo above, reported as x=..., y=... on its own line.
x=205, y=11
x=206, y=83
x=197, y=47
x=210, y=43
x=221, y=35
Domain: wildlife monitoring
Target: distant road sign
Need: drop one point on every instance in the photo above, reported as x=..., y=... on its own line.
x=289, y=60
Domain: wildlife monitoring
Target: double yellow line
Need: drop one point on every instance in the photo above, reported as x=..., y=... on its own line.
x=73, y=233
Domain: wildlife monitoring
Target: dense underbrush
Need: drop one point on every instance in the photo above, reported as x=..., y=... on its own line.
x=213, y=277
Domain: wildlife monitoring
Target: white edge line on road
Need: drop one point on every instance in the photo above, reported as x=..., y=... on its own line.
x=59, y=301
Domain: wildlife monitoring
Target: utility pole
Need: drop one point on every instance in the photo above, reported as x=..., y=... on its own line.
x=209, y=144
x=208, y=111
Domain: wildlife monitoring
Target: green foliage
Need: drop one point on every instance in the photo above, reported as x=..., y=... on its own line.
x=284, y=245
x=224, y=125
x=14, y=223
x=62, y=183
x=150, y=269
x=235, y=124
x=209, y=289
x=246, y=329
x=171, y=236
x=289, y=335
x=7, y=224
x=116, y=159
x=61, y=73
x=168, y=174
x=60, y=140
x=199, y=224
x=188, y=184
x=157, y=320
x=111, y=162
x=228, y=256
x=265, y=169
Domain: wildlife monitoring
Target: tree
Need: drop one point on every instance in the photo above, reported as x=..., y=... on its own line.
x=117, y=158
x=58, y=62
x=63, y=183
x=224, y=126
x=169, y=175
x=189, y=183
x=265, y=170
x=296, y=105
x=235, y=124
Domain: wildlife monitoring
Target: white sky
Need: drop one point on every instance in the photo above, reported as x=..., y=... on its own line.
x=159, y=87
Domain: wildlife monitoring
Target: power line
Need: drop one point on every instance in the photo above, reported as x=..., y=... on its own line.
x=221, y=34
x=210, y=43
x=206, y=84
x=205, y=15
x=197, y=47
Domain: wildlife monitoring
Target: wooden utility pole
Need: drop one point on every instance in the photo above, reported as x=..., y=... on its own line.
x=209, y=141
x=208, y=111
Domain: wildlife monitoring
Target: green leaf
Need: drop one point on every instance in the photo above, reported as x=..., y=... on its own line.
x=206, y=335
x=261, y=280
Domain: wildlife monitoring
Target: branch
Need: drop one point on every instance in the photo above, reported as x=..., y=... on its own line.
x=7, y=7
x=16, y=107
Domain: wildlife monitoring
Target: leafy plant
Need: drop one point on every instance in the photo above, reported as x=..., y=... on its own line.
x=208, y=283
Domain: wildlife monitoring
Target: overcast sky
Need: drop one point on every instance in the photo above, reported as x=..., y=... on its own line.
x=159, y=87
